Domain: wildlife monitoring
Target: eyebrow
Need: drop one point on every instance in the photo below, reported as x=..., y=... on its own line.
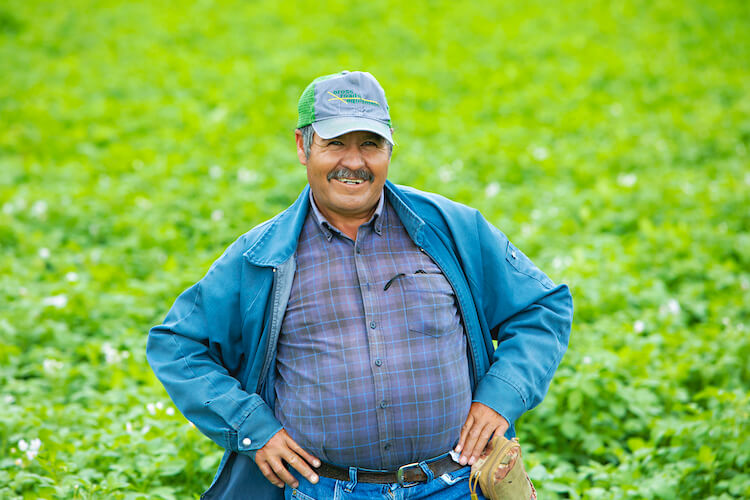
x=374, y=136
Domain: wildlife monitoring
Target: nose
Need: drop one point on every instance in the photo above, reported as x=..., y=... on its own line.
x=352, y=158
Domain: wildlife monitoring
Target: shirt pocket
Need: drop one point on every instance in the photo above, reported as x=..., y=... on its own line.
x=430, y=304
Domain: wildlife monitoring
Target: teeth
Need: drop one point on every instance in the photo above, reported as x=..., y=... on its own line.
x=351, y=181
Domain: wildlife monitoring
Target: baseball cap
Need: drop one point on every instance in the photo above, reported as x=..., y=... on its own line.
x=344, y=102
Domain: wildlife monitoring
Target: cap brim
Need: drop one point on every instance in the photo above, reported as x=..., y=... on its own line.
x=334, y=127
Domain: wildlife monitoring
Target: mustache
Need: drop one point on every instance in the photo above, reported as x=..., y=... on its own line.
x=345, y=173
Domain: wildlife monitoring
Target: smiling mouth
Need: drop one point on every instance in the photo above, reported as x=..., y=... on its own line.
x=351, y=181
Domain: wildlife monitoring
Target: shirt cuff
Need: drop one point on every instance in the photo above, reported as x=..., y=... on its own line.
x=501, y=396
x=259, y=426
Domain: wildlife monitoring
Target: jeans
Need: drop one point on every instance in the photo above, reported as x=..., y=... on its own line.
x=449, y=486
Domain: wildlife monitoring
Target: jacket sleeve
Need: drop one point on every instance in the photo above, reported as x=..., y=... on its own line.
x=185, y=354
x=532, y=317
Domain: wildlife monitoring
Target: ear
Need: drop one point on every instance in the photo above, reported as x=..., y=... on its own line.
x=300, y=147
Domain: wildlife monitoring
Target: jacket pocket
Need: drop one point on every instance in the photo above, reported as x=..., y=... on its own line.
x=431, y=306
x=523, y=265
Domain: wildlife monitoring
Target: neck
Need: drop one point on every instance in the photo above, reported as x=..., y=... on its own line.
x=349, y=225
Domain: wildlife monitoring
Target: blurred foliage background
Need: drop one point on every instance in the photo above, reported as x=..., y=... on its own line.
x=608, y=140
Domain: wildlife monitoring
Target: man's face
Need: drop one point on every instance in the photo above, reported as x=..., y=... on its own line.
x=346, y=173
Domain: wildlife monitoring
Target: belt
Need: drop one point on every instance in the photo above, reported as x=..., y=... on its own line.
x=406, y=475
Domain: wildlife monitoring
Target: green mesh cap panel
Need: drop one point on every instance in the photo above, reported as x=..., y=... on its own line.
x=306, y=105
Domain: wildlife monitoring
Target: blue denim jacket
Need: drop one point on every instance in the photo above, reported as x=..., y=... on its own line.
x=215, y=352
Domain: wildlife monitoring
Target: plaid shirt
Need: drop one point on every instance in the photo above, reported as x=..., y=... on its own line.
x=372, y=364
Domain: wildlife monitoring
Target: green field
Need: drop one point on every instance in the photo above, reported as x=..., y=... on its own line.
x=609, y=140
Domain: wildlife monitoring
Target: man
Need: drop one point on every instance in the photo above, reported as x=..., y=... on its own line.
x=345, y=346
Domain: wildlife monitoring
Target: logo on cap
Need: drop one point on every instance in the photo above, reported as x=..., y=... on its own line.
x=350, y=97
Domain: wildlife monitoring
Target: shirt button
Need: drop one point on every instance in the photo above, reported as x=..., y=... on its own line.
x=378, y=362
x=387, y=446
x=357, y=249
x=246, y=442
x=373, y=325
x=513, y=254
x=383, y=404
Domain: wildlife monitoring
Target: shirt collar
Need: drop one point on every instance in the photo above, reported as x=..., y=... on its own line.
x=328, y=229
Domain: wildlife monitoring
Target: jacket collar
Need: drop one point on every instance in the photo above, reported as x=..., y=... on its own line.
x=277, y=240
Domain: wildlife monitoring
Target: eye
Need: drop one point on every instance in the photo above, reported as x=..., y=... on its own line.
x=335, y=143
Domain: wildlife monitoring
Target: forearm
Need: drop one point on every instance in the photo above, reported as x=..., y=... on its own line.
x=530, y=347
x=208, y=395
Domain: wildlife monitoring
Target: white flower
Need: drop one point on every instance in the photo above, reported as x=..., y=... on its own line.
x=111, y=355
x=445, y=174
x=9, y=399
x=52, y=365
x=151, y=408
x=44, y=253
x=58, y=301
x=145, y=429
x=39, y=208
x=540, y=153
x=217, y=215
x=159, y=405
x=627, y=180
x=128, y=427
x=215, y=171
x=562, y=262
x=639, y=326
x=71, y=277
x=19, y=462
x=31, y=449
x=492, y=189
x=586, y=360
x=671, y=307
x=170, y=411
x=246, y=176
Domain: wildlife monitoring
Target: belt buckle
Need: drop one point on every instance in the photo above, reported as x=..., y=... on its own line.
x=400, y=475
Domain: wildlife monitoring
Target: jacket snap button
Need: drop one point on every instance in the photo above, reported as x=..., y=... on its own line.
x=246, y=442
